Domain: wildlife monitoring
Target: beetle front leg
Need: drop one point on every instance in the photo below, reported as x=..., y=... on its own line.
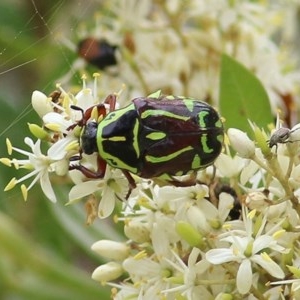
x=89, y=173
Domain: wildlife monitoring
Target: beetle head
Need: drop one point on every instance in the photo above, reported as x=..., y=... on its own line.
x=89, y=138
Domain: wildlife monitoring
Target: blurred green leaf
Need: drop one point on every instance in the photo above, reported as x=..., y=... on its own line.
x=29, y=272
x=242, y=97
x=73, y=219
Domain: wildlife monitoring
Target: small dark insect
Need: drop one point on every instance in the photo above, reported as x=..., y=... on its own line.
x=235, y=212
x=281, y=136
x=98, y=53
x=285, y=135
x=55, y=96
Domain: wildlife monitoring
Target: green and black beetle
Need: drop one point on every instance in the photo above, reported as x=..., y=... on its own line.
x=153, y=136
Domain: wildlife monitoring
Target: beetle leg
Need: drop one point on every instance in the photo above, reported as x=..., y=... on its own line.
x=130, y=179
x=111, y=100
x=132, y=184
x=86, y=115
x=89, y=173
x=75, y=158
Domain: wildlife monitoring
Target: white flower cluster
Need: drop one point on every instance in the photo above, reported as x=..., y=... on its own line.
x=176, y=45
x=212, y=241
x=230, y=234
x=62, y=136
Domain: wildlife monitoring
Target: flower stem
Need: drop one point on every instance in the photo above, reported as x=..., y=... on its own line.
x=278, y=174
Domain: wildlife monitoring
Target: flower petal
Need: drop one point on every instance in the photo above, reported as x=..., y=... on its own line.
x=219, y=256
x=83, y=189
x=58, y=150
x=107, y=204
x=244, y=277
x=269, y=265
x=47, y=187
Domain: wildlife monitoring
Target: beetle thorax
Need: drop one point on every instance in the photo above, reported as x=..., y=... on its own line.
x=88, y=138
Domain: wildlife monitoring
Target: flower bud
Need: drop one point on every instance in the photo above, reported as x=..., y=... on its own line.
x=241, y=143
x=41, y=103
x=189, y=233
x=107, y=272
x=38, y=131
x=261, y=139
x=111, y=249
x=137, y=232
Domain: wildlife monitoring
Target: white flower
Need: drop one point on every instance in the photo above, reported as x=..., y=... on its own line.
x=241, y=143
x=127, y=291
x=142, y=268
x=39, y=164
x=113, y=187
x=57, y=122
x=149, y=274
x=238, y=253
x=179, y=199
x=189, y=272
x=205, y=217
x=153, y=221
x=163, y=232
x=246, y=251
x=230, y=166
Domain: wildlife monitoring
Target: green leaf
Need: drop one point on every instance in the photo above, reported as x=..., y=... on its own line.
x=242, y=97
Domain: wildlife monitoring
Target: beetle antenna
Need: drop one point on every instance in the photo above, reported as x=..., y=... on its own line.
x=75, y=107
x=81, y=122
